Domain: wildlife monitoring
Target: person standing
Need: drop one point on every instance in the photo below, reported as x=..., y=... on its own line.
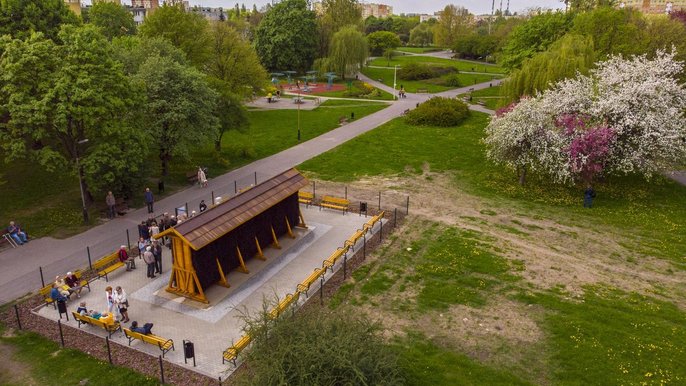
x=157, y=253
x=122, y=303
x=589, y=195
x=111, y=204
x=202, y=177
x=149, y=200
x=110, y=299
x=149, y=259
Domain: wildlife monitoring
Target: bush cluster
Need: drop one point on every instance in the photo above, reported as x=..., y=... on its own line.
x=421, y=71
x=437, y=111
x=362, y=90
x=452, y=80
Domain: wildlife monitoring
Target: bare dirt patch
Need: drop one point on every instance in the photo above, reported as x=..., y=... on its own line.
x=555, y=254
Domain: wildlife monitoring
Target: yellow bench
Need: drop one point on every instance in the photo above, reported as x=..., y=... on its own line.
x=304, y=286
x=231, y=353
x=45, y=291
x=334, y=203
x=352, y=240
x=305, y=198
x=110, y=328
x=163, y=344
x=331, y=260
x=107, y=265
x=283, y=305
x=369, y=225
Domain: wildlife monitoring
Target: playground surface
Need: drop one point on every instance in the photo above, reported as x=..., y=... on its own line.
x=215, y=326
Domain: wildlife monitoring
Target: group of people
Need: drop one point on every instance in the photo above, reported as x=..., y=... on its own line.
x=401, y=93
x=117, y=310
x=64, y=287
x=17, y=234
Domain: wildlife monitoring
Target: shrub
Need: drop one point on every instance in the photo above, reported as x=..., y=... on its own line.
x=452, y=80
x=439, y=111
x=319, y=348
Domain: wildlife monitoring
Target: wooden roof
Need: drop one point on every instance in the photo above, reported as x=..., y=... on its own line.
x=204, y=228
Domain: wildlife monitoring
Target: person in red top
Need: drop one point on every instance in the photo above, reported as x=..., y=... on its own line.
x=74, y=284
x=126, y=259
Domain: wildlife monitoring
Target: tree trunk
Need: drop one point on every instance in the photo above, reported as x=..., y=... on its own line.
x=87, y=196
x=522, y=175
x=164, y=158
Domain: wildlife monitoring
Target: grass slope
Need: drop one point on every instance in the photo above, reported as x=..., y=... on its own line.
x=462, y=65
x=385, y=75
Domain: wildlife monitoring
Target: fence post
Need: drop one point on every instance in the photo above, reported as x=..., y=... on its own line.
x=395, y=218
x=346, y=192
x=379, y=200
x=345, y=265
x=407, y=206
x=321, y=291
x=255, y=178
x=381, y=231
x=41, y=276
x=128, y=240
x=16, y=312
x=59, y=325
x=364, y=247
x=314, y=190
x=161, y=370
x=188, y=214
x=88, y=251
x=235, y=187
x=109, y=351
x=220, y=380
x=213, y=197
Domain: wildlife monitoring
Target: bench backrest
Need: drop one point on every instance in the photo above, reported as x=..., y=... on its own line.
x=307, y=195
x=242, y=343
x=336, y=200
x=105, y=261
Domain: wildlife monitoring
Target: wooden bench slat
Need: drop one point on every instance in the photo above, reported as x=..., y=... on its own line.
x=304, y=286
x=110, y=328
x=107, y=265
x=231, y=353
x=165, y=345
x=335, y=203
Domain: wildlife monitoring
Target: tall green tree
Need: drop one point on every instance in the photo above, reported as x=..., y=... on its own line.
x=20, y=18
x=422, y=35
x=534, y=36
x=380, y=41
x=569, y=56
x=337, y=14
x=179, y=108
x=614, y=31
x=57, y=96
x=230, y=113
x=234, y=61
x=112, y=19
x=133, y=51
x=348, y=51
x=287, y=37
x=455, y=21
x=186, y=30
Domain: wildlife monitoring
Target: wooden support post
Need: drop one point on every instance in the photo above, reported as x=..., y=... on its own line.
x=288, y=226
x=259, y=255
x=302, y=219
x=276, y=241
x=242, y=267
x=222, y=279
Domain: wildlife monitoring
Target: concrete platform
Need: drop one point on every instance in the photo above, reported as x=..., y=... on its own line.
x=214, y=327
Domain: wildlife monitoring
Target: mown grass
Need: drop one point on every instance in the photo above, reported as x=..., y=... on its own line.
x=490, y=96
x=418, y=50
x=461, y=65
x=651, y=212
x=50, y=364
x=384, y=96
x=385, y=75
x=50, y=203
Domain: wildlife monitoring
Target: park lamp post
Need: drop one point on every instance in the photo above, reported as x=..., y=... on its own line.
x=78, y=171
x=298, y=103
x=395, y=77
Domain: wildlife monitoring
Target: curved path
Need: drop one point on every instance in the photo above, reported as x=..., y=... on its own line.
x=59, y=256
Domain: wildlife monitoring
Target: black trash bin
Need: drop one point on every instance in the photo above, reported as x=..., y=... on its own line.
x=188, y=349
x=363, y=207
x=62, y=308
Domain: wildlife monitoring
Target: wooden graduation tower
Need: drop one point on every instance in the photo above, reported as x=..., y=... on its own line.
x=209, y=245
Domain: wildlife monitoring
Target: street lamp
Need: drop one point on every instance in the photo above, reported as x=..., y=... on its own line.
x=78, y=170
x=298, y=102
x=395, y=77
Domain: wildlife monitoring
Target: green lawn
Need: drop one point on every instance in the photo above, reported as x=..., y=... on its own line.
x=50, y=203
x=462, y=65
x=341, y=94
x=386, y=76
x=418, y=50
x=490, y=96
x=48, y=364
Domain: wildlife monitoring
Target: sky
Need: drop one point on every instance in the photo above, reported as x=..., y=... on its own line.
x=411, y=6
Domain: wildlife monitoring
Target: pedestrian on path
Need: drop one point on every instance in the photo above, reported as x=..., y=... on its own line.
x=122, y=303
x=589, y=195
x=110, y=299
x=149, y=199
x=202, y=177
x=157, y=253
x=111, y=203
x=149, y=259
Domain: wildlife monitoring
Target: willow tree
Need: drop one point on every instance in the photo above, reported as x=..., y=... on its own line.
x=348, y=51
x=568, y=56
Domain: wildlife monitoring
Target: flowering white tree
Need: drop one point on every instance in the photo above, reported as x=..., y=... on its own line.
x=627, y=116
